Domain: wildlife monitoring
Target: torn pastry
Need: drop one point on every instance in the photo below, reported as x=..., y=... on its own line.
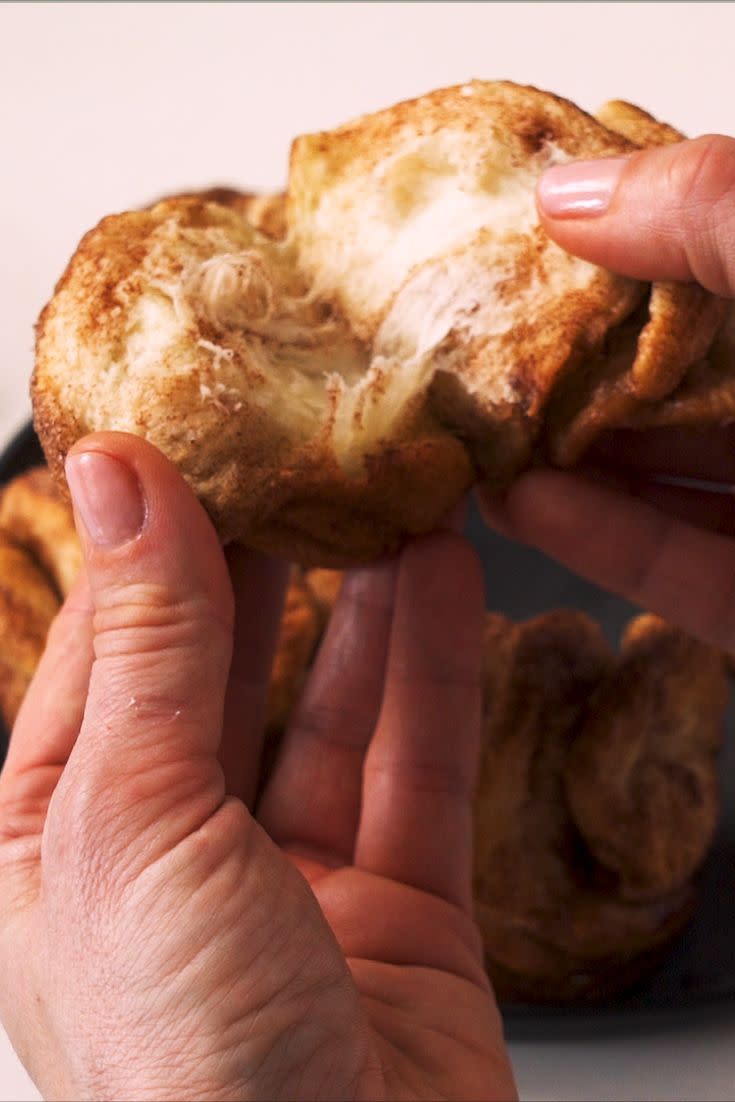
x=330, y=392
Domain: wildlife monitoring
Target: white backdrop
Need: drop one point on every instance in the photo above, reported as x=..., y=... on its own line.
x=105, y=106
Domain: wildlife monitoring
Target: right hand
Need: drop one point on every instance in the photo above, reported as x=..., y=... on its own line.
x=661, y=214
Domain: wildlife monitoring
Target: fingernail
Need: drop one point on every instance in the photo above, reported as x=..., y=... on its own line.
x=107, y=497
x=583, y=189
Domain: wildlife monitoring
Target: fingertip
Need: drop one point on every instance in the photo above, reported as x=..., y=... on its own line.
x=374, y=583
x=158, y=477
x=132, y=451
x=494, y=510
x=443, y=568
x=110, y=505
x=440, y=548
x=132, y=503
x=543, y=507
x=661, y=213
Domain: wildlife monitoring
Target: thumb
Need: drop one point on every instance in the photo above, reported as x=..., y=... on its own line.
x=664, y=213
x=163, y=615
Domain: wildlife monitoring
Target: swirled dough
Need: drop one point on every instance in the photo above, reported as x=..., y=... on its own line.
x=596, y=802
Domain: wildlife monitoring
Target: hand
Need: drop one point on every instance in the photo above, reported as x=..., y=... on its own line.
x=662, y=214
x=159, y=941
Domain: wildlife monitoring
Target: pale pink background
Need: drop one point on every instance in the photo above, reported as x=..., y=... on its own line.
x=103, y=107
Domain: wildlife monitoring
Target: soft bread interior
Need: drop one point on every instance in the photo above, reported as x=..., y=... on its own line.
x=420, y=223
x=414, y=234
x=414, y=249
x=408, y=283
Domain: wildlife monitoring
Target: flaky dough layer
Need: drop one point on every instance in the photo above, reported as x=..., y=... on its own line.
x=332, y=370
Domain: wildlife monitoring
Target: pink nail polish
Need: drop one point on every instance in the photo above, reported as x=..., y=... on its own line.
x=583, y=189
x=107, y=497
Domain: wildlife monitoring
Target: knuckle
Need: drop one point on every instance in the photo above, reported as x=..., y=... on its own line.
x=703, y=172
x=701, y=180
x=20, y=851
x=22, y=816
x=100, y=836
x=144, y=617
x=334, y=724
x=423, y=776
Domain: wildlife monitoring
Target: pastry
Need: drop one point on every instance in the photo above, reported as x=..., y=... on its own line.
x=301, y=626
x=590, y=759
x=266, y=213
x=34, y=511
x=28, y=605
x=641, y=777
x=330, y=392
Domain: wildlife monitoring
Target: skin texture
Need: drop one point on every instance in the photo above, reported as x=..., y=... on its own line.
x=165, y=941
x=665, y=547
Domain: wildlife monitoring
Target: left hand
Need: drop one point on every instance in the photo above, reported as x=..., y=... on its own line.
x=157, y=939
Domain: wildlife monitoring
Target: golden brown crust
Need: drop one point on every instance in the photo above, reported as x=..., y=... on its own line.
x=264, y=481
x=310, y=598
x=34, y=511
x=642, y=371
x=653, y=730
x=591, y=762
x=301, y=626
x=331, y=369
x=40, y=558
x=636, y=125
x=325, y=585
x=538, y=676
x=266, y=213
x=28, y=604
x=706, y=396
x=615, y=948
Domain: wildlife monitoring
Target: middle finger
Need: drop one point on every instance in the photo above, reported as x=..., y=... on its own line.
x=311, y=804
